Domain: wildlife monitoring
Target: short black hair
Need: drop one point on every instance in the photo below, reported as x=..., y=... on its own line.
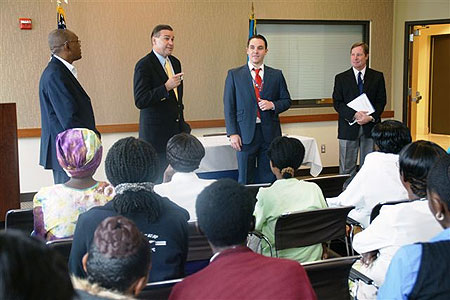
x=257, y=36
x=415, y=161
x=225, y=212
x=184, y=152
x=132, y=160
x=286, y=152
x=119, y=254
x=439, y=179
x=391, y=136
x=158, y=28
x=31, y=270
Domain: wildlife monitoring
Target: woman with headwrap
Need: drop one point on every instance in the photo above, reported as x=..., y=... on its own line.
x=56, y=208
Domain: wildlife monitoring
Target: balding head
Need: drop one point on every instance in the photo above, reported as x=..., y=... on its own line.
x=65, y=44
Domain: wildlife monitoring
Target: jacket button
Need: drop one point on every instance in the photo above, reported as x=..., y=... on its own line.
x=177, y=120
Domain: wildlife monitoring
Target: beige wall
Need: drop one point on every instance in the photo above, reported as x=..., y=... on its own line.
x=410, y=10
x=210, y=38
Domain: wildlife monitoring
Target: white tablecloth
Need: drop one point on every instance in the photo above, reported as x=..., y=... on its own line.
x=221, y=157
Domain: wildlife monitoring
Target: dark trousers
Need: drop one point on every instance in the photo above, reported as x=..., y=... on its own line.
x=60, y=177
x=253, y=162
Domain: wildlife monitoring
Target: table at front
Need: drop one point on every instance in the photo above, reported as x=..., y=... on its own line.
x=220, y=159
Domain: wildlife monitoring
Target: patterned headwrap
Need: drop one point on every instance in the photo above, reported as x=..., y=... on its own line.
x=79, y=151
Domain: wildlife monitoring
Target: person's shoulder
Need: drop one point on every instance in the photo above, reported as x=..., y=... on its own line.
x=172, y=209
x=344, y=73
x=370, y=70
x=287, y=266
x=144, y=61
x=238, y=69
x=174, y=59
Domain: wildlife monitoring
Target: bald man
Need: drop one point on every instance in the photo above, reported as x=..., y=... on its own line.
x=64, y=103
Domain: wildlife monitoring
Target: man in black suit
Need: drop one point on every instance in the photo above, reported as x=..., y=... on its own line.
x=347, y=86
x=158, y=93
x=64, y=103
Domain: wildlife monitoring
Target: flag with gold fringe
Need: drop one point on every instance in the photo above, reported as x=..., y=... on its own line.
x=252, y=24
x=60, y=16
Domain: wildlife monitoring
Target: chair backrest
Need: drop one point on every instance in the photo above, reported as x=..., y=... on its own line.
x=254, y=188
x=329, y=278
x=159, y=290
x=305, y=228
x=21, y=219
x=331, y=186
x=62, y=246
x=199, y=248
x=376, y=210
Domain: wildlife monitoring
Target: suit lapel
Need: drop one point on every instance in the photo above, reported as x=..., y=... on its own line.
x=158, y=67
x=248, y=80
x=69, y=74
x=352, y=79
x=367, y=79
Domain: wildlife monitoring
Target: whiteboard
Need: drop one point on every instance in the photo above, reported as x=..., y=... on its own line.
x=310, y=55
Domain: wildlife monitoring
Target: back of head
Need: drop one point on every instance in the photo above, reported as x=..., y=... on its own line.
x=79, y=151
x=225, y=213
x=415, y=161
x=57, y=38
x=184, y=152
x=391, y=136
x=31, y=270
x=286, y=154
x=439, y=179
x=131, y=166
x=119, y=255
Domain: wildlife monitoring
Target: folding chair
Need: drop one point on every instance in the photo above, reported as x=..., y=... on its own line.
x=199, y=251
x=62, y=246
x=329, y=278
x=159, y=290
x=21, y=219
x=331, y=186
x=306, y=228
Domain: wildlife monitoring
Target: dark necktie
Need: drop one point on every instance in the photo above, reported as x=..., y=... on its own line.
x=360, y=83
x=258, y=87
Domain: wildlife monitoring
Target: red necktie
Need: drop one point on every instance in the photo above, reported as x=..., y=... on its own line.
x=258, y=87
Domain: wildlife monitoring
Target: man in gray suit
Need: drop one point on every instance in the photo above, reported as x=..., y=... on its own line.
x=254, y=96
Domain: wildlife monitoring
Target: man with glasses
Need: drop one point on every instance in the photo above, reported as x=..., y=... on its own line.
x=158, y=93
x=64, y=103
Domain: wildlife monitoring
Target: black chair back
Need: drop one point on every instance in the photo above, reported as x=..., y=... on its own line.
x=62, y=246
x=331, y=186
x=329, y=278
x=21, y=219
x=199, y=248
x=305, y=228
x=158, y=290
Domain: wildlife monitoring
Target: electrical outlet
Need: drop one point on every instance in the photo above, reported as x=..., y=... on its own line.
x=323, y=148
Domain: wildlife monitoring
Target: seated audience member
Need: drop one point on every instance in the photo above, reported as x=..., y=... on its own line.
x=56, y=208
x=131, y=166
x=31, y=270
x=420, y=271
x=287, y=194
x=224, y=212
x=181, y=185
x=378, y=180
x=403, y=223
x=117, y=263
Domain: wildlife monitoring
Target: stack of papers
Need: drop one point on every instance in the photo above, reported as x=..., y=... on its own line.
x=361, y=103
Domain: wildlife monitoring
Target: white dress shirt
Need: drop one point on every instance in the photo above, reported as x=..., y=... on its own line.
x=183, y=189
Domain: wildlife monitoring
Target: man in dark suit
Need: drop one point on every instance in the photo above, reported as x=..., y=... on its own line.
x=235, y=271
x=158, y=93
x=254, y=96
x=347, y=86
x=64, y=103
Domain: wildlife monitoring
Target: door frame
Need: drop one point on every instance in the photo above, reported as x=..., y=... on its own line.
x=409, y=25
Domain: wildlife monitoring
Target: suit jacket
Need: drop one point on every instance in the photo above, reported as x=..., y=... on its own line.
x=240, y=103
x=346, y=89
x=240, y=273
x=64, y=104
x=161, y=115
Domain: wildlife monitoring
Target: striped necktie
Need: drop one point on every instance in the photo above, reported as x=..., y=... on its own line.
x=170, y=74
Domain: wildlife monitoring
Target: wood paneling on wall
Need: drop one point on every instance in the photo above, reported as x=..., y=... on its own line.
x=210, y=39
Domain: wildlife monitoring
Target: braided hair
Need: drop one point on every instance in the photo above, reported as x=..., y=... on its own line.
x=184, y=152
x=415, y=161
x=132, y=160
x=286, y=154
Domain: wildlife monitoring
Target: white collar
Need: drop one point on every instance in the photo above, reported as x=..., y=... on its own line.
x=251, y=67
x=363, y=72
x=69, y=66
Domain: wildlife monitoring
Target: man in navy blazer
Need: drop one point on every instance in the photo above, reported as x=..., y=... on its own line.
x=347, y=86
x=64, y=103
x=251, y=111
x=158, y=93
